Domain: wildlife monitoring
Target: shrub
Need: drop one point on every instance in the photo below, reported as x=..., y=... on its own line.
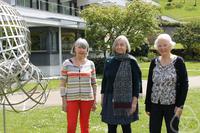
x=141, y=51
x=189, y=36
x=99, y=64
x=151, y=55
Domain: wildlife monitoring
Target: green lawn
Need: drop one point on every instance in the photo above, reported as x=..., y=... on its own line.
x=193, y=69
x=145, y=69
x=52, y=119
x=177, y=46
x=187, y=12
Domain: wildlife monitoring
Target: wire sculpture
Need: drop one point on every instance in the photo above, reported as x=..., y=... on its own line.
x=22, y=85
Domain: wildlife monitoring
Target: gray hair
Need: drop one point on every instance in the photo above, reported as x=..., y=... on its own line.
x=125, y=40
x=164, y=37
x=80, y=42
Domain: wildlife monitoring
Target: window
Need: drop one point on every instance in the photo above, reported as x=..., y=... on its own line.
x=57, y=6
x=34, y=4
x=64, y=7
x=74, y=10
x=53, y=40
x=25, y=3
x=43, y=5
x=68, y=39
x=53, y=6
x=39, y=41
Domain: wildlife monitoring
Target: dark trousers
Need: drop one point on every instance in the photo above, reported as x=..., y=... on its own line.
x=156, y=116
x=125, y=128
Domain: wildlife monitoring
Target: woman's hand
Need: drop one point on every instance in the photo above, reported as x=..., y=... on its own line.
x=133, y=108
x=178, y=111
x=134, y=105
x=94, y=106
x=64, y=104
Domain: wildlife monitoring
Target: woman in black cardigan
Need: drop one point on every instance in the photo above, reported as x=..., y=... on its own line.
x=120, y=88
x=167, y=87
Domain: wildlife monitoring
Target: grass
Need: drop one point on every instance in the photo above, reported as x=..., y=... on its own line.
x=52, y=119
x=193, y=69
x=144, y=66
x=186, y=11
x=177, y=46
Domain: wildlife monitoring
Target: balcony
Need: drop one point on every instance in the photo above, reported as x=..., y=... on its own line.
x=102, y=2
x=67, y=8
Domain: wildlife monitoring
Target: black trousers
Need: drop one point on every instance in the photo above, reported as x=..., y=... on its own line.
x=156, y=117
x=125, y=128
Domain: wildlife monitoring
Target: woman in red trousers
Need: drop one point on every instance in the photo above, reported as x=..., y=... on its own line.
x=78, y=87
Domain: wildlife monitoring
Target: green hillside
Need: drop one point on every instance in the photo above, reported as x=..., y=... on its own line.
x=182, y=10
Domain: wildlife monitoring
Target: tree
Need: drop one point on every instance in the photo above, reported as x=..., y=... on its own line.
x=195, y=2
x=105, y=23
x=189, y=36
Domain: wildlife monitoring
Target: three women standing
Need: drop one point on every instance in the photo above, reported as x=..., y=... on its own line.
x=165, y=96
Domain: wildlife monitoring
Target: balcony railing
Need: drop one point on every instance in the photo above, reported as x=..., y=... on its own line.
x=48, y=6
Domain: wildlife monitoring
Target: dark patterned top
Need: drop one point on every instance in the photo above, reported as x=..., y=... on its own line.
x=164, y=87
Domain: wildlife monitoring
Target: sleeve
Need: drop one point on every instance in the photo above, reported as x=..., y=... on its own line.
x=149, y=87
x=93, y=73
x=64, y=70
x=140, y=77
x=136, y=78
x=63, y=79
x=182, y=84
x=103, y=83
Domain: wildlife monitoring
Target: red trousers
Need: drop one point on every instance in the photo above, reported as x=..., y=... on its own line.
x=73, y=109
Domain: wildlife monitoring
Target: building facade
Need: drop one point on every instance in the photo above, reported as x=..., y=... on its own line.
x=54, y=25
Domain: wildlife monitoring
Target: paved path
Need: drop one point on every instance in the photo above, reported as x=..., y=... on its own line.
x=54, y=98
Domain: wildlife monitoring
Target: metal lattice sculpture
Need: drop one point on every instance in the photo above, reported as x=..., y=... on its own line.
x=22, y=85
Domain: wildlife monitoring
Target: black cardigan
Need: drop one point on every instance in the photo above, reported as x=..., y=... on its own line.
x=110, y=68
x=181, y=83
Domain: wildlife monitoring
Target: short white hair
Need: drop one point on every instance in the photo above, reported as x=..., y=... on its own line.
x=80, y=42
x=125, y=40
x=166, y=37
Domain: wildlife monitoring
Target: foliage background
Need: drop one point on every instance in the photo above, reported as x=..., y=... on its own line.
x=104, y=23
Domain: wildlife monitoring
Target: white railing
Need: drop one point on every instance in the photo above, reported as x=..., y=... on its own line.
x=49, y=6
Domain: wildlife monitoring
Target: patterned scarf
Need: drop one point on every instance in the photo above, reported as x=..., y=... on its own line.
x=122, y=87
